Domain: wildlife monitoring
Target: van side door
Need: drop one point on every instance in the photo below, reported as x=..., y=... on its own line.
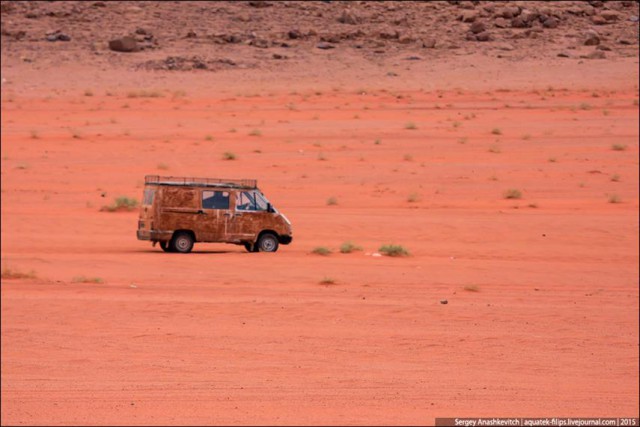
x=215, y=214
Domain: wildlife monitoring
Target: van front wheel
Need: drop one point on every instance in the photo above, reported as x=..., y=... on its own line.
x=182, y=243
x=267, y=243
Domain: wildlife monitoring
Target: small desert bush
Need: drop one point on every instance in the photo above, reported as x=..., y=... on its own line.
x=496, y=131
x=513, y=193
x=618, y=147
x=208, y=138
x=585, y=106
x=35, y=134
x=163, y=166
x=122, y=203
x=8, y=273
x=407, y=157
x=327, y=281
x=88, y=92
x=348, y=247
x=614, y=198
x=393, y=250
x=331, y=201
x=472, y=288
x=615, y=177
x=228, y=156
x=83, y=279
x=255, y=132
x=413, y=198
x=411, y=126
x=145, y=94
x=494, y=149
x=321, y=250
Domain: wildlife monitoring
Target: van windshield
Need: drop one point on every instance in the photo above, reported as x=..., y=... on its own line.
x=251, y=201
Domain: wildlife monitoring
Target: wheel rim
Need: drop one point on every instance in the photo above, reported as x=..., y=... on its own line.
x=268, y=244
x=182, y=244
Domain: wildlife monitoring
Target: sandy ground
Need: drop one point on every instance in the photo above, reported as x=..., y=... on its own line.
x=542, y=291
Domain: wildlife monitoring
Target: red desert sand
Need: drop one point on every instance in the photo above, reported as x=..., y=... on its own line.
x=513, y=185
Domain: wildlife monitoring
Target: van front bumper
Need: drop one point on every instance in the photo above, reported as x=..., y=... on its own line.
x=154, y=235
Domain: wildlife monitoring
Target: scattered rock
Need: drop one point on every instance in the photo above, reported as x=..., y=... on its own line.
x=279, y=56
x=16, y=35
x=564, y=55
x=325, y=46
x=413, y=58
x=528, y=16
x=179, y=63
x=598, y=20
x=483, y=37
x=591, y=38
x=505, y=46
x=389, y=35
x=468, y=15
x=54, y=36
x=444, y=301
x=550, y=22
x=261, y=43
x=191, y=35
x=519, y=22
x=349, y=17
x=402, y=22
x=596, y=54
x=124, y=44
x=477, y=27
x=509, y=12
x=501, y=23
x=259, y=3
x=627, y=40
x=294, y=34
x=603, y=47
x=610, y=15
x=429, y=43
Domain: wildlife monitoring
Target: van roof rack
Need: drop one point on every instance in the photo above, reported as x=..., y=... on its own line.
x=200, y=182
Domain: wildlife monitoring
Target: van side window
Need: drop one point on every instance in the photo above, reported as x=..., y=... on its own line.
x=250, y=201
x=215, y=200
x=148, y=196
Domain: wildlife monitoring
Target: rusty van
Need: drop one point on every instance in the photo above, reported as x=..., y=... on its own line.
x=177, y=212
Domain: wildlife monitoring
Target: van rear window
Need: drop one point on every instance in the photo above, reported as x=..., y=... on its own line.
x=215, y=200
x=149, y=193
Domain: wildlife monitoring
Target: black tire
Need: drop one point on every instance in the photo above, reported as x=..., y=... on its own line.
x=267, y=243
x=166, y=246
x=249, y=247
x=182, y=242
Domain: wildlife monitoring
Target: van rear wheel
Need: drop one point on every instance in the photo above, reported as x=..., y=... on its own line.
x=182, y=242
x=267, y=243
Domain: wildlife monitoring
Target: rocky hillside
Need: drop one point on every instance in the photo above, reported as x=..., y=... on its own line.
x=184, y=35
